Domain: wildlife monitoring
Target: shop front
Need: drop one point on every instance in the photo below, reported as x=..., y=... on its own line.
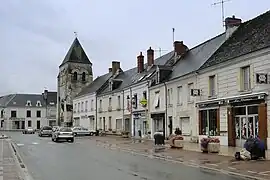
x=158, y=123
x=247, y=117
x=140, y=125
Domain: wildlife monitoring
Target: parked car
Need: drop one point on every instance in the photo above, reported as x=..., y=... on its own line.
x=63, y=133
x=28, y=130
x=45, y=131
x=81, y=131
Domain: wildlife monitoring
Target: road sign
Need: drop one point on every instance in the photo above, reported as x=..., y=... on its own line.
x=143, y=102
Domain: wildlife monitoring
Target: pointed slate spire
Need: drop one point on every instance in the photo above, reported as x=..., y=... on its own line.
x=76, y=54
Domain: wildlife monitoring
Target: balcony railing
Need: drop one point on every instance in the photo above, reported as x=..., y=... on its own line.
x=16, y=119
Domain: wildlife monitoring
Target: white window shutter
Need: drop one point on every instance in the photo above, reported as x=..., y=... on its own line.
x=239, y=80
x=252, y=79
x=216, y=85
x=209, y=87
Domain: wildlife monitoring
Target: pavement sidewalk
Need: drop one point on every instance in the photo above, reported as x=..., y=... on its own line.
x=227, y=164
x=8, y=167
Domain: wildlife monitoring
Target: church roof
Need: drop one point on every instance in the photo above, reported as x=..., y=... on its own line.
x=76, y=54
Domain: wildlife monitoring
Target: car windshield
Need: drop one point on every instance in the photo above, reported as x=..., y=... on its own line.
x=65, y=129
x=47, y=128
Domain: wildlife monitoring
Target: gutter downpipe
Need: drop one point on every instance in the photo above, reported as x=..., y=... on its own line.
x=96, y=112
x=166, y=111
x=131, y=110
x=123, y=120
x=148, y=110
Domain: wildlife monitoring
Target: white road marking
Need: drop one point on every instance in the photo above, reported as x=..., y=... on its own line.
x=212, y=164
x=35, y=143
x=252, y=172
x=232, y=168
x=264, y=173
x=20, y=144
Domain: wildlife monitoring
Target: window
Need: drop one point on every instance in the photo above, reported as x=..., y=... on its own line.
x=28, y=103
x=144, y=95
x=245, y=76
x=79, y=107
x=179, y=95
x=110, y=123
x=75, y=76
x=110, y=101
x=92, y=105
x=38, y=104
x=100, y=123
x=209, y=122
x=212, y=85
x=100, y=103
x=39, y=113
x=119, y=101
x=28, y=113
x=83, y=76
x=82, y=107
x=135, y=101
x=190, y=86
x=13, y=114
x=75, y=108
x=156, y=100
x=29, y=123
x=86, y=106
x=169, y=96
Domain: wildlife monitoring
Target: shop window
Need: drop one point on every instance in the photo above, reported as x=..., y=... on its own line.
x=239, y=111
x=253, y=110
x=209, y=122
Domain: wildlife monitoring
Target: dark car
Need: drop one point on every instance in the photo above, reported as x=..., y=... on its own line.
x=45, y=131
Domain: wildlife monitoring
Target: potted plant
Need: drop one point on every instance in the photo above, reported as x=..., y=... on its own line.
x=204, y=144
x=125, y=134
x=214, y=145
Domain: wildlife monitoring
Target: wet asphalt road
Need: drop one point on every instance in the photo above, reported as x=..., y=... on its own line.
x=83, y=160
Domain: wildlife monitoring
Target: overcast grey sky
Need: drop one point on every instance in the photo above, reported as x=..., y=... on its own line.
x=36, y=34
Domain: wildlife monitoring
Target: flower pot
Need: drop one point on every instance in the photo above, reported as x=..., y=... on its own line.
x=213, y=147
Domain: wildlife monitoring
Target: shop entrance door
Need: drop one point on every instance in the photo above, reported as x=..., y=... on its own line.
x=245, y=127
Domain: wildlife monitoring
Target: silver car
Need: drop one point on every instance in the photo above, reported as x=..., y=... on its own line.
x=29, y=130
x=45, y=131
x=63, y=133
x=81, y=131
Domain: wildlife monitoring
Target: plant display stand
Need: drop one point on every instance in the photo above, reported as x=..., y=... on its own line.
x=213, y=147
x=178, y=143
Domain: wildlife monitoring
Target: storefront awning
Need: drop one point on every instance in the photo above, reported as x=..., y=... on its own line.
x=239, y=98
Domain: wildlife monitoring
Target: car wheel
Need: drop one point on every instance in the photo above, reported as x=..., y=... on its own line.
x=75, y=134
x=91, y=134
x=72, y=140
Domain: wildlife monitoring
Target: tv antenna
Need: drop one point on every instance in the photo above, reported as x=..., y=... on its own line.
x=159, y=50
x=222, y=9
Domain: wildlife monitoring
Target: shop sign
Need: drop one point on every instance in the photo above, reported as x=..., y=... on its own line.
x=261, y=78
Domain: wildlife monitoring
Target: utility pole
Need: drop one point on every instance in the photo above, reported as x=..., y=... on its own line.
x=222, y=9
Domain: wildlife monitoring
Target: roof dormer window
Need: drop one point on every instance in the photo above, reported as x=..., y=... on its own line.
x=28, y=103
x=38, y=104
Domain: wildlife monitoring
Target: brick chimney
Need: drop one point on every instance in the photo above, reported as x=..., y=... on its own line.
x=231, y=24
x=110, y=70
x=180, y=48
x=140, y=63
x=150, y=57
x=115, y=66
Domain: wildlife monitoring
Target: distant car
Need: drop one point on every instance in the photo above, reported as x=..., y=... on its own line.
x=63, y=133
x=28, y=131
x=45, y=131
x=81, y=131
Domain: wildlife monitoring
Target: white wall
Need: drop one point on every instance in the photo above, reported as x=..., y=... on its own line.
x=228, y=83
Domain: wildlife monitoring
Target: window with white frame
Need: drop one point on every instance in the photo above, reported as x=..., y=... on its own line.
x=245, y=76
x=110, y=123
x=28, y=103
x=119, y=101
x=100, y=123
x=212, y=85
x=79, y=107
x=110, y=101
x=75, y=108
x=82, y=107
x=100, y=103
x=156, y=100
x=179, y=95
x=92, y=105
x=190, y=87
x=169, y=96
x=86, y=106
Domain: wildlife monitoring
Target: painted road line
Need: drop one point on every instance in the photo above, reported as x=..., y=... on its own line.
x=20, y=144
x=252, y=172
x=265, y=173
x=35, y=143
x=212, y=164
x=232, y=168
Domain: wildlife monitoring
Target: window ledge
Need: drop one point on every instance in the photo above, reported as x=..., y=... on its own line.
x=245, y=92
x=212, y=97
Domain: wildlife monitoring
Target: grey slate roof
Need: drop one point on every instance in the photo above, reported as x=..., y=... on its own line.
x=76, y=54
x=130, y=77
x=20, y=100
x=95, y=85
x=197, y=56
x=250, y=36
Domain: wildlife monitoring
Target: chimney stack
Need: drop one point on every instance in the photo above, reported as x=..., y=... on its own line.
x=140, y=63
x=232, y=22
x=110, y=70
x=180, y=48
x=150, y=57
x=115, y=66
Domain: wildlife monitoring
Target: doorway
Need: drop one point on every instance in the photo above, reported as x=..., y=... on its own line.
x=170, y=125
x=245, y=127
x=38, y=124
